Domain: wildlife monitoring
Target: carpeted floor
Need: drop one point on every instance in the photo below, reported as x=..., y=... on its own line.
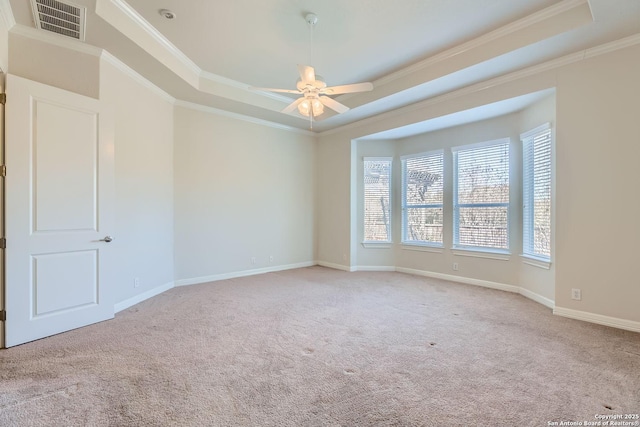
x=319, y=347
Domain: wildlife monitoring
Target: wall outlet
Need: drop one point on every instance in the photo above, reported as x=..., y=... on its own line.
x=253, y=260
x=576, y=294
x=136, y=282
x=455, y=266
x=270, y=258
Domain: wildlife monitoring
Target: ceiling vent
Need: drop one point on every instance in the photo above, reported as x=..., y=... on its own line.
x=60, y=17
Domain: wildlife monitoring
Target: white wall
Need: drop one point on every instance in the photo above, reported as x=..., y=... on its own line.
x=242, y=190
x=144, y=183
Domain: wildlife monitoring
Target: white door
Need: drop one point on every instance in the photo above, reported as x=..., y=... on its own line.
x=59, y=199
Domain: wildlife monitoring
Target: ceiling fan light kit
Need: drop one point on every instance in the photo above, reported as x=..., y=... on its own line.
x=313, y=89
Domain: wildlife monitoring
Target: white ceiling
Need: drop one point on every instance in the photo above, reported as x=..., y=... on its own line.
x=411, y=50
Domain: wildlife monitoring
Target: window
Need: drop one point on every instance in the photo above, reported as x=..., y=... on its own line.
x=536, y=193
x=377, y=191
x=481, y=195
x=422, y=199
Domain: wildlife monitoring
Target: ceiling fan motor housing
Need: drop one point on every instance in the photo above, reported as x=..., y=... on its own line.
x=318, y=84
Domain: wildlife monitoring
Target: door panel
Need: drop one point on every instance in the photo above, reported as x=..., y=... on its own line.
x=59, y=198
x=78, y=274
x=65, y=200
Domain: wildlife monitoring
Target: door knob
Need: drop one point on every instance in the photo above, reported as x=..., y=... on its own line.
x=106, y=239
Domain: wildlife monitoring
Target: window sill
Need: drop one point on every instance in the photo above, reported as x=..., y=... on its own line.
x=422, y=247
x=377, y=245
x=496, y=254
x=536, y=261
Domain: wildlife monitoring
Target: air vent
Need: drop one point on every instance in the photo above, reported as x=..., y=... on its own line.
x=59, y=17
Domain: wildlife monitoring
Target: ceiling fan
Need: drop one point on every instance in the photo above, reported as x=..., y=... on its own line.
x=313, y=89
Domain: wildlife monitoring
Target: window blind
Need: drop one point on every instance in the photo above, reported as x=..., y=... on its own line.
x=536, y=193
x=377, y=197
x=422, y=195
x=481, y=195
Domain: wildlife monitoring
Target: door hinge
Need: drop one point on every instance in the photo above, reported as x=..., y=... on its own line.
x=3, y=316
x=3, y=98
x=3, y=171
x=3, y=243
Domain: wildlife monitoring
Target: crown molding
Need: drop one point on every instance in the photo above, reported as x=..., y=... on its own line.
x=56, y=40
x=143, y=24
x=487, y=84
x=625, y=42
x=131, y=24
x=215, y=78
x=484, y=39
x=139, y=78
x=242, y=117
x=6, y=14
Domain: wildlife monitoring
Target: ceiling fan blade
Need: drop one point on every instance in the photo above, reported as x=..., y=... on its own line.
x=333, y=104
x=356, y=87
x=307, y=74
x=268, y=89
x=289, y=108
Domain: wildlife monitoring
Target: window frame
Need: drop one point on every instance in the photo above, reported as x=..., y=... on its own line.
x=457, y=247
x=377, y=243
x=528, y=193
x=404, y=205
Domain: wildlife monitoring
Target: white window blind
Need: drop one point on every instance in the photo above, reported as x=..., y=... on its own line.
x=536, y=194
x=377, y=197
x=481, y=195
x=422, y=190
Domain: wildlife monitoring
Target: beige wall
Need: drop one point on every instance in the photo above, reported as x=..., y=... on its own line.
x=375, y=257
x=4, y=42
x=533, y=278
x=334, y=202
x=305, y=190
x=597, y=147
x=434, y=260
x=144, y=183
x=54, y=65
x=143, y=236
x=499, y=271
x=242, y=190
x=598, y=208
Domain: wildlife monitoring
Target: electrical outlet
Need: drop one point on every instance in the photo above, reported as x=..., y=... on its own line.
x=253, y=260
x=136, y=282
x=271, y=258
x=455, y=266
x=576, y=294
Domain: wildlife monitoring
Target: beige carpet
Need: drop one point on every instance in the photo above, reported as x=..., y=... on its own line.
x=319, y=347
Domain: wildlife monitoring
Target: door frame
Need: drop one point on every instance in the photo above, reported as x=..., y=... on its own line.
x=2, y=213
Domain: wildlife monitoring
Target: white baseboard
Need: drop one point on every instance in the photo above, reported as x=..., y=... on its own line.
x=336, y=266
x=244, y=273
x=460, y=279
x=599, y=319
x=614, y=322
x=538, y=298
x=123, y=305
x=375, y=268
